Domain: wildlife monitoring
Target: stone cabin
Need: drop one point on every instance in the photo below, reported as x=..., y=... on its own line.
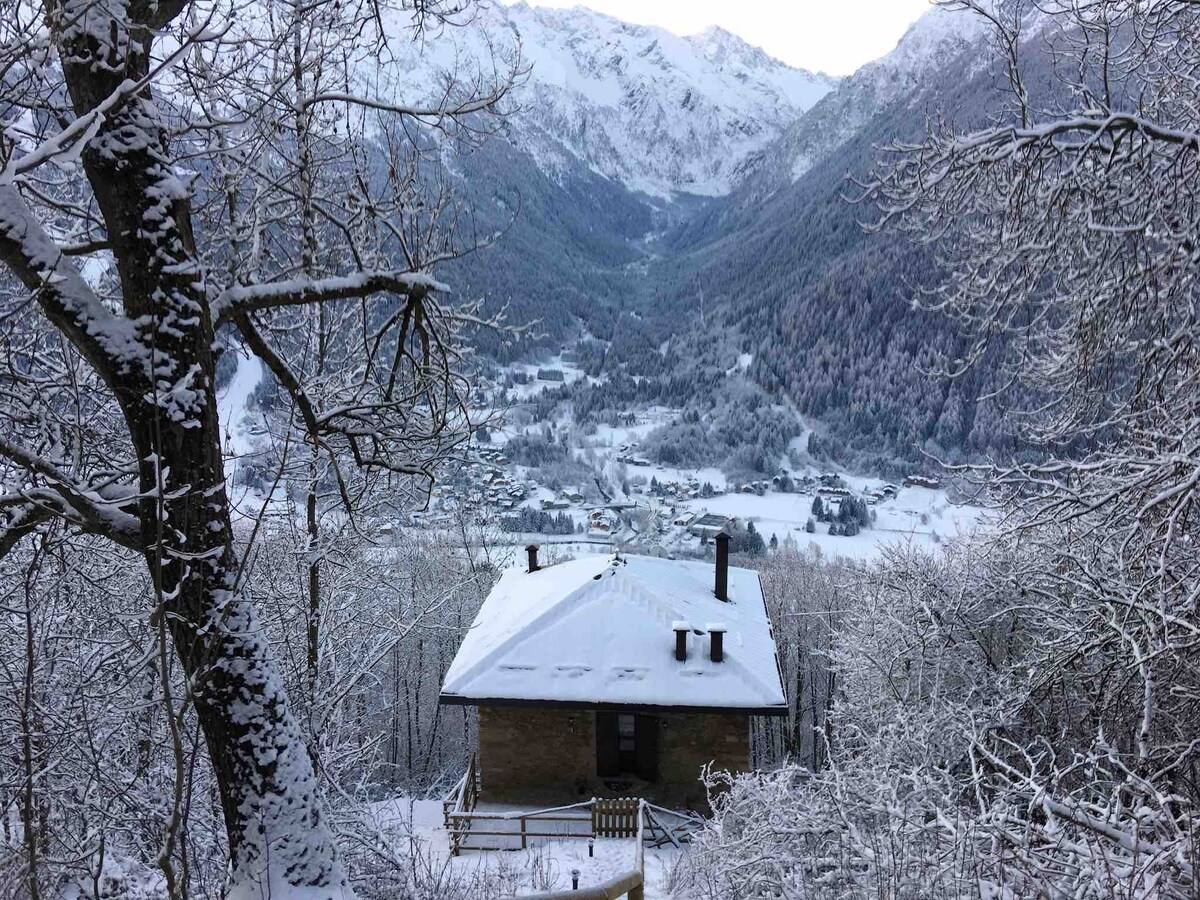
x=616, y=677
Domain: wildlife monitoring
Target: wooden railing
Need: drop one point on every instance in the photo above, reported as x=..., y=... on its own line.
x=474, y=830
x=632, y=882
x=627, y=817
x=460, y=803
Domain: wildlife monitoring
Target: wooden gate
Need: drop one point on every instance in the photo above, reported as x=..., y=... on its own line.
x=616, y=818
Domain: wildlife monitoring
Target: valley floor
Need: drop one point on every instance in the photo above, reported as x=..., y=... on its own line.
x=628, y=511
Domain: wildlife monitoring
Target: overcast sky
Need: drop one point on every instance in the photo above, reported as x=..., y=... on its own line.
x=833, y=36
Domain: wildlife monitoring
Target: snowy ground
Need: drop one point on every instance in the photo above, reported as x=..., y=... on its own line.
x=545, y=866
x=571, y=374
x=917, y=515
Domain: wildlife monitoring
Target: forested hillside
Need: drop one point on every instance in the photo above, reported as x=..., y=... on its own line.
x=779, y=268
x=561, y=250
x=785, y=268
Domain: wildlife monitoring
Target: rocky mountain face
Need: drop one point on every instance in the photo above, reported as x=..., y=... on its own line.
x=658, y=187
x=658, y=113
x=936, y=42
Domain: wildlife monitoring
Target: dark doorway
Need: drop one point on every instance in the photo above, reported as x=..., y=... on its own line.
x=626, y=744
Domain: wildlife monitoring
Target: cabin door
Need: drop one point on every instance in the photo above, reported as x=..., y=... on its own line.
x=626, y=744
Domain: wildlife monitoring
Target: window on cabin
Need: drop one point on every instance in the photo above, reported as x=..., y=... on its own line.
x=626, y=744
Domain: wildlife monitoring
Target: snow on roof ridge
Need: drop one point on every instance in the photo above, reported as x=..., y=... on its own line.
x=529, y=656
x=521, y=633
x=616, y=567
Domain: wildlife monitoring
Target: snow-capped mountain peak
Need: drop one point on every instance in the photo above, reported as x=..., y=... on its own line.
x=930, y=44
x=656, y=111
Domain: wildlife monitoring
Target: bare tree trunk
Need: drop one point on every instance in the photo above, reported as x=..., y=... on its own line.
x=268, y=792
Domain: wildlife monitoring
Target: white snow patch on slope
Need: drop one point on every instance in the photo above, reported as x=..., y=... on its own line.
x=232, y=405
x=658, y=112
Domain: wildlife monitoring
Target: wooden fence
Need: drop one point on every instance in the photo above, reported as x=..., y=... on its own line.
x=469, y=829
x=616, y=818
x=627, y=817
x=631, y=883
x=461, y=801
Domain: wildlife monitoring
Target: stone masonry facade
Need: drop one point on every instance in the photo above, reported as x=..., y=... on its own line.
x=545, y=754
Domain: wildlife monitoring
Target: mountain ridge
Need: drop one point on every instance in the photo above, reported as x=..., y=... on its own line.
x=659, y=113
x=777, y=263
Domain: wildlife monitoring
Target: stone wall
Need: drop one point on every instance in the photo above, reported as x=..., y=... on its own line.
x=549, y=755
x=687, y=741
x=527, y=751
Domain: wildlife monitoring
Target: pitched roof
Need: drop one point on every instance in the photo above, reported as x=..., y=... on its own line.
x=599, y=631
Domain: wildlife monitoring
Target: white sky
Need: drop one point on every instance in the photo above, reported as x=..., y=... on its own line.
x=833, y=36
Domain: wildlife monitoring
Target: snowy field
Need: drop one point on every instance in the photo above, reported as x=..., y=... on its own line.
x=543, y=867
x=916, y=515
x=571, y=374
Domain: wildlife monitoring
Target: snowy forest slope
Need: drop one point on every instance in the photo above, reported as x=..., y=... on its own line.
x=821, y=304
x=595, y=181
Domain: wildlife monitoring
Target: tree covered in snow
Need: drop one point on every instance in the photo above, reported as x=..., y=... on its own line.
x=1071, y=231
x=179, y=178
x=1015, y=716
x=947, y=759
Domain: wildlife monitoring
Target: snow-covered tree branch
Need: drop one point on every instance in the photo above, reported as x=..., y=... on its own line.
x=154, y=215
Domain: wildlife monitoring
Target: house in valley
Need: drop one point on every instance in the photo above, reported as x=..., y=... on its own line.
x=709, y=525
x=616, y=676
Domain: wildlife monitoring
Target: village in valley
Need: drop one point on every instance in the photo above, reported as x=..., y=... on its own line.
x=619, y=496
x=602, y=488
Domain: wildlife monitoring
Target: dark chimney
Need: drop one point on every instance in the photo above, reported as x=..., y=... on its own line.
x=716, y=642
x=532, y=550
x=681, y=633
x=722, y=589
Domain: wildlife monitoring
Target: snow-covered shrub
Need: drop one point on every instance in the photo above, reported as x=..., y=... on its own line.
x=966, y=756
x=861, y=831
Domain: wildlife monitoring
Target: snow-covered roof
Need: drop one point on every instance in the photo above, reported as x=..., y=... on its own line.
x=599, y=631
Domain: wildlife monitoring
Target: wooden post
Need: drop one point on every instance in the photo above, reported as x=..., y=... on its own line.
x=523, y=844
x=638, y=891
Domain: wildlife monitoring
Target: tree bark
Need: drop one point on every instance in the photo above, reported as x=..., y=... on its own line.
x=165, y=386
